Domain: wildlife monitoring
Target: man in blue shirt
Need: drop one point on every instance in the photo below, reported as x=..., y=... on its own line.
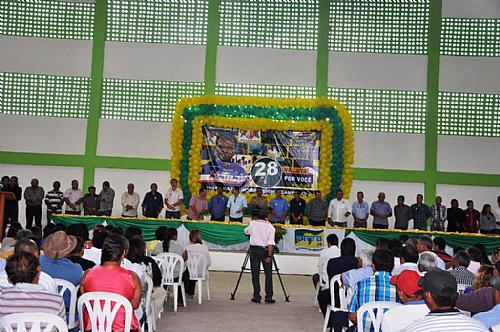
x=492, y=317
x=360, y=211
x=279, y=205
x=152, y=203
x=236, y=205
x=217, y=205
x=381, y=211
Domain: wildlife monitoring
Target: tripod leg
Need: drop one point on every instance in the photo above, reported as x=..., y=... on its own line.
x=287, y=297
x=243, y=267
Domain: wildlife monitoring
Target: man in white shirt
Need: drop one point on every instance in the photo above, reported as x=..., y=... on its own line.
x=236, y=205
x=408, y=259
x=496, y=212
x=338, y=211
x=261, y=251
x=173, y=201
x=73, y=198
x=130, y=201
x=325, y=255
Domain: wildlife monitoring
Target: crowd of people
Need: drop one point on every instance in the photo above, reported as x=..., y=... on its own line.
x=233, y=207
x=438, y=291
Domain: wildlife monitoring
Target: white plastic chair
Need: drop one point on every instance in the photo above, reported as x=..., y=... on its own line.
x=62, y=287
x=198, y=270
x=37, y=322
x=342, y=297
x=150, y=308
x=101, y=312
x=495, y=328
x=376, y=317
x=168, y=262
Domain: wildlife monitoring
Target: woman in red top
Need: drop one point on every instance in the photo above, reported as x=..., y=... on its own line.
x=111, y=277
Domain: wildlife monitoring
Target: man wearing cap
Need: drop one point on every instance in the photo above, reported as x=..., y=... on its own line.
x=261, y=251
x=492, y=317
x=440, y=294
x=410, y=294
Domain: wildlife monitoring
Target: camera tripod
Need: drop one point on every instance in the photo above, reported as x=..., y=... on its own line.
x=244, y=268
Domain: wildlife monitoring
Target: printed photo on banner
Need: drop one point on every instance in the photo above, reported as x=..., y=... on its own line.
x=309, y=240
x=271, y=159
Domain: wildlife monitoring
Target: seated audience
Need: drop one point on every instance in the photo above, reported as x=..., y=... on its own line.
x=491, y=317
x=475, y=257
x=413, y=308
x=426, y=262
x=196, y=245
x=484, y=255
x=408, y=260
x=484, y=274
x=462, y=275
x=111, y=277
x=364, y=270
x=495, y=255
x=133, y=262
x=395, y=246
x=439, y=248
x=424, y=244
x=440, y=294
x=155, y=247
x=27, y=295
x=76, y=256
x=332, y=251
x=375, y=288
x=94, y=253
x=170, y=244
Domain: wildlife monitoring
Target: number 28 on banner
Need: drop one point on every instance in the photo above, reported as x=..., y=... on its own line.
x=266, y=172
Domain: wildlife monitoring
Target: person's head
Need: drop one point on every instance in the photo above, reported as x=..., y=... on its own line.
x=409, y=254
x=174, y=183
x=484, y=254
x=202, y=192
x=278, y=193
x=132, y=231
x=59, y=245
x=171, y=234
x=395, y=246
x=105, y=185
x=440, y=289
x=160, y=233
x=339, y=194
x=26, y=246
x=382, y=260
x=130, y=188
x=114, y=249
x=486, y=209
x=495, y=256
x=91, y=190
x=470, y=204
x=424, y=243
x=407, y=286
x=220, y=190
x=78, y=251
x=13, y=229
x=195, y=236
x=483, y=276
x=332, y=240
x=348, y=247
x=49, y=229
x=475, y=254
x=23, y=234
x=5, y=180
x=79, y=229
x=496, y=273
x=403, y=238
x=365, y=258
x=381, y=197
x=427, y=261
x=74, y=184
x=235, y=191
x=296, y=194
x=457, y=249
x=36, y=234
x=264, y=213
x=382, y=243
x=23, y=268
x=34, y=183
x=98, y=239
x=498, y=201
x=225, y=147
x=454, y=203
x=317, y=194
x=401, y=200
x=360, y=196
x=461, y=258
x=56, y=185
x=439, y=243
x=411, y=242
x=137, y=249
x=14, y=181
x=495, y=283
x=420, y=198
x=153, y=187
x=438, y=200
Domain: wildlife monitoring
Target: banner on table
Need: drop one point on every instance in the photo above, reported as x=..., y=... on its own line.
x=269, y=159
x=308, y=240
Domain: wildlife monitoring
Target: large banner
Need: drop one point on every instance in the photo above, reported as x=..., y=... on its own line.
x=269, y=159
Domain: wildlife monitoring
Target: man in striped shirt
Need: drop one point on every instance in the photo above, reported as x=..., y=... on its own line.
x=27, y=295
x=54, y=200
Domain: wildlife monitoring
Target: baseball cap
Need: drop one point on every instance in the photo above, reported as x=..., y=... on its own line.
x=439, y=282
x=495, y=283
x=407, y=282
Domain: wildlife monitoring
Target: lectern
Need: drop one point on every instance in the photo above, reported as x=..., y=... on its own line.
x=4, y=196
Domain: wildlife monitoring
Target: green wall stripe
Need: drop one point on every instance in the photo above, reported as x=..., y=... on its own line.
x=96, y=76
x=150, y=164
x=211, y=49
x=322, y=49
x=431, y=116
x=391, y=175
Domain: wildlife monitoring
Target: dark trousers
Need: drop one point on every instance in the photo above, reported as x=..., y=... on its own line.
x=316, y=223
x=172, y=215
x=33, y=212
x=104, y=213
x=401, y=227
x=240, y=219
x=379, y=226
x=359, y=224
x=74, y=213
x=190, y=288
x=221, y=218
x=338, y=319
x=339, y=223
x=257, y=256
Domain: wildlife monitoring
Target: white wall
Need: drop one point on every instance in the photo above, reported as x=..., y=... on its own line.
x=480, y=195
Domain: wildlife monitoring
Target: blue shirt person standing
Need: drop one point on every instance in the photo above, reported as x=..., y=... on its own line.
x=236, y=205
x=360, y=211
x=381, y=211
x=152, y=203
x=217, y=205
x=279, y=207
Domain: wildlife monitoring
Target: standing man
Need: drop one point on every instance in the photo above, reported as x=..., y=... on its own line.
x=34, y=196
x=12, y=207
x=360, y=211
x=73, y=198
x=471, y=223
x=261, y=251
x=381, y=211
x=297, y=209
x=402, y=213
x=317, y=210
x=420, y=213
x=173, y=201
x=496, y=212
x=152, y=203
x=198, y=205
x=279, y=207
x=54, y=201
x=257, y=202
x=90, y=202
x=107, y=198
x=236, y=205
x=130, y=201
x=217, y=205
x=438, y=213
x=338, y=211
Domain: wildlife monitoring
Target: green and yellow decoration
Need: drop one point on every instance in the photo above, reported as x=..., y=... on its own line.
x=324, y=115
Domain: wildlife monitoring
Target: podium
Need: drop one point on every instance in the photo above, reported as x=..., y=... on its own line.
x=4, y=196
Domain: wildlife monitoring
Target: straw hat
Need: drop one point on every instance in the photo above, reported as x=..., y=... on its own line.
x=7, y=244
x=59, y=245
